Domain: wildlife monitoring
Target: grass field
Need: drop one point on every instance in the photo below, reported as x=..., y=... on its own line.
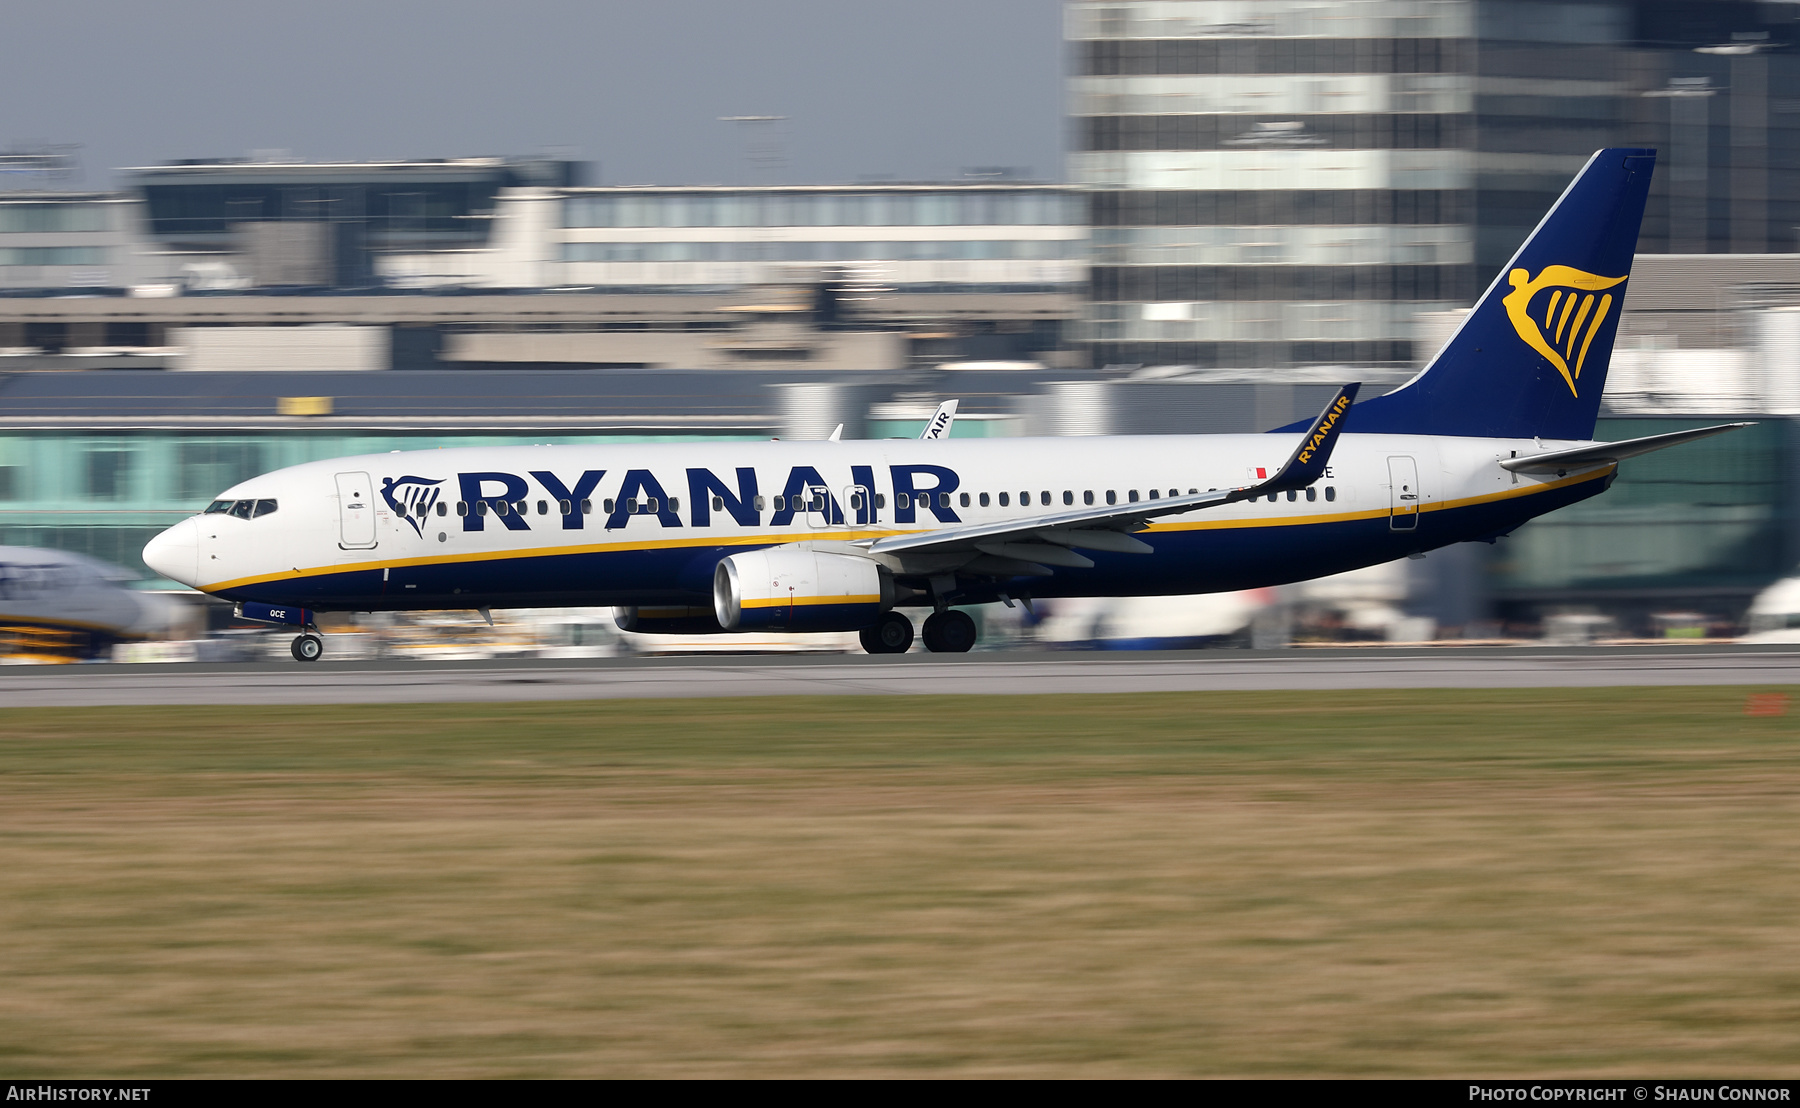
x=1537, y=883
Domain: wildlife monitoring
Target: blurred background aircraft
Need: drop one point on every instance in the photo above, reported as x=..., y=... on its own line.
x=57, y=607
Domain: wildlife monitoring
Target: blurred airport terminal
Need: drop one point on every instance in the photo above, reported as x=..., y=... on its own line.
x=1262, y=199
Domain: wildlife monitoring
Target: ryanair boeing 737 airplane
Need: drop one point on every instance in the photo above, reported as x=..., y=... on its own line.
x=835, y=536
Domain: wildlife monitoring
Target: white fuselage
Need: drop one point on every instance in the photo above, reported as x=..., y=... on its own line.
x=427, y=529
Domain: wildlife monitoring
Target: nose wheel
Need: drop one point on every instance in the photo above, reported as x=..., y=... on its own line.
x=308, y=648
x=950, y=632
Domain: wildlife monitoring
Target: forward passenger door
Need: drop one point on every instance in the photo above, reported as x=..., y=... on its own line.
x=356, y=511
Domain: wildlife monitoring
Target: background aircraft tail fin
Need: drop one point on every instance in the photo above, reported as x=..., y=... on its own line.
x=1531, y=358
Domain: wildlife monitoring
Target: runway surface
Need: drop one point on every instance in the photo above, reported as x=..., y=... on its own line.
x=983, y=673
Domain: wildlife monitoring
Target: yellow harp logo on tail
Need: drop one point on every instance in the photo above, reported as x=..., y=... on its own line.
x=1561, y=325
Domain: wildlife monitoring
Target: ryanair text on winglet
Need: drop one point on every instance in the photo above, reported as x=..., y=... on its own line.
x=1325, y=425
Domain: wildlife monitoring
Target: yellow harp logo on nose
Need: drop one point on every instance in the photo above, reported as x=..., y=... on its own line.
x=1570, y=315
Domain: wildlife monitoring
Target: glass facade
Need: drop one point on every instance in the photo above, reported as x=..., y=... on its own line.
x=40, y=218
x=1222, y=125
x=53, y=255
x=826, y=251
x=988, y=238
x=1018, y=207
x=1272, y=183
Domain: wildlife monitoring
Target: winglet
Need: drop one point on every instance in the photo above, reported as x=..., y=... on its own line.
x=1308, y=461
x=837, y=435
x=939, y=427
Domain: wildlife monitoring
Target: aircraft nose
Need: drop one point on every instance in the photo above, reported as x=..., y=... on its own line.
x=176, y=553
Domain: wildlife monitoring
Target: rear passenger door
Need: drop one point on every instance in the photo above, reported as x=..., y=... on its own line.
x=1403, y=494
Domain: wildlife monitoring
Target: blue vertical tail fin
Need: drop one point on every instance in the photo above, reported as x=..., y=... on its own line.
x=1531, y=359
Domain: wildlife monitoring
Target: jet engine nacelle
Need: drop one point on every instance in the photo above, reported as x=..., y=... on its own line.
x=667, y=621
x=792, y=588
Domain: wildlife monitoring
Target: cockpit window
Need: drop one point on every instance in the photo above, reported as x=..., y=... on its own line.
x=241, y=509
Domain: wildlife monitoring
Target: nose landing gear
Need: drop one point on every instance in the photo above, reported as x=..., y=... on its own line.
x=308, y=648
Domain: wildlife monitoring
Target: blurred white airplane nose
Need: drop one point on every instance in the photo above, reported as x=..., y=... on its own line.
x=176, y=553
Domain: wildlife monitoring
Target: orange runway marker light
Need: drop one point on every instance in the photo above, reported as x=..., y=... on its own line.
x=1766, y=704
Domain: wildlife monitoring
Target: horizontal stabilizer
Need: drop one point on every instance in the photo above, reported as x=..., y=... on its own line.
x=1603, y=453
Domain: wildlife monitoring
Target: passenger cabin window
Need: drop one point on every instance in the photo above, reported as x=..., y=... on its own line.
x=1112, y=497
x=1312, y=494
x=1330, y=493
x=587, y=508
x=443, y=508
x=759, y=504
x=563, y=507
x=1132, y=496
x=781, y=503
x=462, y=507
x=1292, y=496
x=1087, y=496
x=718, y=504
x=880, y=500
x=607, y=506
x=943, y=500
x=1005, y=498
x=984, y=500
x=1068, y=497
x=965, y=500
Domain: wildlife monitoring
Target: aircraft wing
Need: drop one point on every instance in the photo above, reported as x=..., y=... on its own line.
x=1049, y=537
x=1557, y=460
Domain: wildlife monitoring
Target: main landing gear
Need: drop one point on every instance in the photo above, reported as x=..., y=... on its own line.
x=308, y=648
x=949, y=632
x=946, y=632
x=893, y=635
